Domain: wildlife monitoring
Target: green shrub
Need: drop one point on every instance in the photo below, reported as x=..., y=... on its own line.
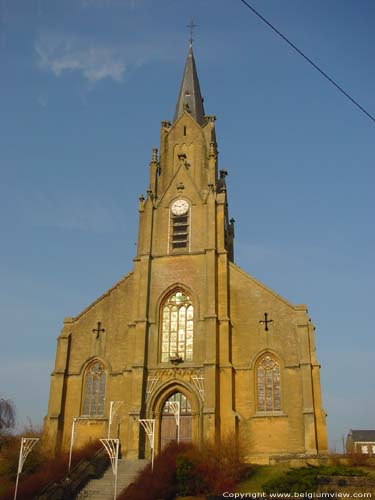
x=307, y=479
x=294, y=480
x=184, y=474
x=341, y=470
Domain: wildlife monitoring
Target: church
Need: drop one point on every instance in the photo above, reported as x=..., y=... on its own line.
x=187, y=328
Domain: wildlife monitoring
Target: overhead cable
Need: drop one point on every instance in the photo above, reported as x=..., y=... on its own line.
x=308, y=60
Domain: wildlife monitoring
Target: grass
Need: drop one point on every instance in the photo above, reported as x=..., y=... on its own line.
x=261, y=474
x=278, y=477
x=370, y=471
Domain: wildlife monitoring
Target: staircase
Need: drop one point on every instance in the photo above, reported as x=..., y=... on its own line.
x=103, y=488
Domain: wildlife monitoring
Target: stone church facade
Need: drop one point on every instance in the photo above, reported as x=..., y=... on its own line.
x=187, y=325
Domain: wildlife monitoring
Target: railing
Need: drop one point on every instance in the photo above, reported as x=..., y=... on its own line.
x=70, y=486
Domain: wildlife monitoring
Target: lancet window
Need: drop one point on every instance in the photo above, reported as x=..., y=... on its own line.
x=177, y=328
x=94, y=390
x=268, y=384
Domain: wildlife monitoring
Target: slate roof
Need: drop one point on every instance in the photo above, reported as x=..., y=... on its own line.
x=363, y=435
x=190, y=98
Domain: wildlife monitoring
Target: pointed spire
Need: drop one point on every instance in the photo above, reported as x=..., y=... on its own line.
x=190, y=98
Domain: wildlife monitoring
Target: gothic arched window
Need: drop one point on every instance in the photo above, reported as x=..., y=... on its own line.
x=177, y=327
x=94, y=390
x=268, y=384
x=184, y=405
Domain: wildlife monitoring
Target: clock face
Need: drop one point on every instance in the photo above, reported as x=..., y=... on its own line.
x=180, y=207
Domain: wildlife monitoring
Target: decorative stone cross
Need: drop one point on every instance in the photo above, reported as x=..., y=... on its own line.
x=98, y=330
x=266, y=322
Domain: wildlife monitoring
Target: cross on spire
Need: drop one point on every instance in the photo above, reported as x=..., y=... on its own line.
x=191, y=26
x=190, y=97
x=266, y=322
x=98, y=330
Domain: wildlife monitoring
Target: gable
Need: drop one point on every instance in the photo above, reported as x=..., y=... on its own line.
x=250, y=300
x=181, y=185
x=256, y=288
x=104, y=296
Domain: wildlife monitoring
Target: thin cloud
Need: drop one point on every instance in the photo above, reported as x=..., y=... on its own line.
x=95, y=60
x=61, y=54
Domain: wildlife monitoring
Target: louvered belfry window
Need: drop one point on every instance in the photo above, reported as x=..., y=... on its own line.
x=180, y=231
x=268, y=384
x=94, y=390
x=177, y=328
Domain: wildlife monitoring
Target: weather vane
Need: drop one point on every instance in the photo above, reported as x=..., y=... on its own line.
x=191, y=26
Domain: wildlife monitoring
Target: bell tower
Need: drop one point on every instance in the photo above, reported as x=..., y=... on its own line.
x=186, y=194
x=185, y=242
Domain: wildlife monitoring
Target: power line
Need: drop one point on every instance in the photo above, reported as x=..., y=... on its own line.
x=308, y=60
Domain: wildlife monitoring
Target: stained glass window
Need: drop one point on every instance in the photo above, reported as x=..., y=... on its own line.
x=177, y=327
x=94, y=390
x=268, y=384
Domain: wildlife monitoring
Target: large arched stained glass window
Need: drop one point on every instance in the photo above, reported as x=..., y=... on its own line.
x=268, y=384
x=94, y=390
x=177, y=329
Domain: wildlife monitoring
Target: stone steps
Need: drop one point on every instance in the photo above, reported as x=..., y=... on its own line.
x=103, y=488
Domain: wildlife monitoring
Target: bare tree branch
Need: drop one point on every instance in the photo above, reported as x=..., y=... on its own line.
x=7, y=414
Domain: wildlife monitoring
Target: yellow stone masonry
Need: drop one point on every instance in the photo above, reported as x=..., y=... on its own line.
x=222, y=384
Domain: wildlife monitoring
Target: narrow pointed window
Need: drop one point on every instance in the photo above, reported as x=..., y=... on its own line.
x=94, y=390
x=177, y=328
x=268, y=384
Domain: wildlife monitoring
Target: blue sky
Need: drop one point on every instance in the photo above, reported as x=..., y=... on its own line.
x=84, y=85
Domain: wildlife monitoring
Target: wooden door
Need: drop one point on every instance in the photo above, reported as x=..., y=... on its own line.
x=169, y=429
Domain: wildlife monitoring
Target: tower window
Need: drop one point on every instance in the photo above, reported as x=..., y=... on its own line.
x=94, y=390
x=177, y=328
x=180, y=231
x=185, y=130
x=268, y=384
x=179, y=225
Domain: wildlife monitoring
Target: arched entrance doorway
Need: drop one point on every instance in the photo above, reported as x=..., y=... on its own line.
x=169, y=428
